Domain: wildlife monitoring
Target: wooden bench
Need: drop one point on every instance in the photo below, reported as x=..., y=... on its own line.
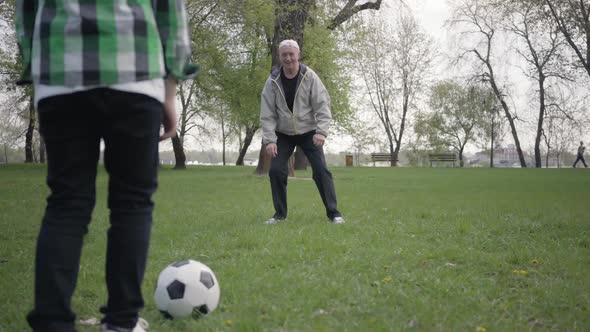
x=444, y=157
x=381, y=157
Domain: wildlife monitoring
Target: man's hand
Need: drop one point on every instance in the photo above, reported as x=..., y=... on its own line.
x=271, y=149
x=170, y=120
x=319, y=139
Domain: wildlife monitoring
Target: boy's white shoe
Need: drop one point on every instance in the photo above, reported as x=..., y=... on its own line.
x=141, y=326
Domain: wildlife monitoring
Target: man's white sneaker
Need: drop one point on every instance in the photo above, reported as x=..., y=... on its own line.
x=141, y=326
x=337, y=220
x=273, y=221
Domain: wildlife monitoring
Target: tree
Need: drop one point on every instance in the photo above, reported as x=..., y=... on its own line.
x=481, y=19
x=541, y=51
x=11, y=67
x=12, y=126
x=243, y=72
x=362, y=135
x=192, y=94
x=573, y=20
x=566, y=119
x=393, y=64
x=457, y=119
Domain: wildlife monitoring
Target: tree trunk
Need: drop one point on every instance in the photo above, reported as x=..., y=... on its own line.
x=263, y=162
x=179, y=155
x=492, y=145
x=29, y=158
x=223, y=140
x=41, y=150
x=402, y=126
x=538, y=163
x=247, y=141
x=290, y=20
x=5, y=154
x=509, y=117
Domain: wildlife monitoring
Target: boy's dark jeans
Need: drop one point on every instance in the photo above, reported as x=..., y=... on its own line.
x=279, y=172
x=72, y=126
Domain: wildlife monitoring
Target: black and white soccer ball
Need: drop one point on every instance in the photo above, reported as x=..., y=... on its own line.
x=187, y=288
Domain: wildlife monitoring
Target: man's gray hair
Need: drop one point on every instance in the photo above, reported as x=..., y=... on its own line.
x=289, y=42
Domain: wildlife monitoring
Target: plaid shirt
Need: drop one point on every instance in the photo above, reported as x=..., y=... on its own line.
x=102, y=42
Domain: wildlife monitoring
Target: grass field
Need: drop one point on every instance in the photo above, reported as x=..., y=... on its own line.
x=422, y=249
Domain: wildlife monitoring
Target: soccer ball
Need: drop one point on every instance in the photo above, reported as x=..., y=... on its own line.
x=187, y=288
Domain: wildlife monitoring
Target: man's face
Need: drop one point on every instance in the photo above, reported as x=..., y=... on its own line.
x=289, y=57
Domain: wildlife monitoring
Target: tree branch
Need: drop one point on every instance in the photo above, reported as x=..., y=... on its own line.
x=349, y=10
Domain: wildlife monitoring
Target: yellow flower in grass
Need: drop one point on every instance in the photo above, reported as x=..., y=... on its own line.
x=520, y=272
x=535, y=262
x=229, y=323
x=387, y=279
x=480, y=329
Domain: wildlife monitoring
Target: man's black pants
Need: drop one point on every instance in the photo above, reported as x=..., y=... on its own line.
x=279, y=171
x=72, y=126
x=580, y=158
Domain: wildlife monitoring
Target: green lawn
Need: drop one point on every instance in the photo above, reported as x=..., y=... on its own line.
x=422, y=249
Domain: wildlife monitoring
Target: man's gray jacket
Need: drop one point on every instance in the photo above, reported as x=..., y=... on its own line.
x=311, y=106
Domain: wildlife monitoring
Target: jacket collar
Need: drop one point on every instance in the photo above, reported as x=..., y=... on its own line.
x=277, y=72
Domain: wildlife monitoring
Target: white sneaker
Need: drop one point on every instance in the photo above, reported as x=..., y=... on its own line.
x=273, y=221
x=337, y=220
x=141, y=326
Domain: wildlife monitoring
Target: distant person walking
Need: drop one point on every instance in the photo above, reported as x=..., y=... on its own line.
x=102, y=70
x=580, y=157
x=295, y=111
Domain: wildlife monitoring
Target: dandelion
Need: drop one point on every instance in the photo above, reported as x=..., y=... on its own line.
x=387, y=279
x=229, y=323
x=520, y=272
x=480, y=329
x=535, y=262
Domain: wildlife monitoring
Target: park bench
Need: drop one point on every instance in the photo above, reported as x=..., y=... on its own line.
x=381, y=156
x=442, y=157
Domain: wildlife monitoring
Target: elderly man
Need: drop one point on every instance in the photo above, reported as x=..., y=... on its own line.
x=295, y=111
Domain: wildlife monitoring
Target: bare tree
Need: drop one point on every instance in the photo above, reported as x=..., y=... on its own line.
x=481, y=19
x=393, y=63
x=566, y=118
x=573, y=20
x=541, y=51
x=190, y=111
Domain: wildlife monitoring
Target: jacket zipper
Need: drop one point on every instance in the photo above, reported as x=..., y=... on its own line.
x=294, y=98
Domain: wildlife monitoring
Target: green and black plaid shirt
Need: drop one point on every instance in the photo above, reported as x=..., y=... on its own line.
x=102, y=42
